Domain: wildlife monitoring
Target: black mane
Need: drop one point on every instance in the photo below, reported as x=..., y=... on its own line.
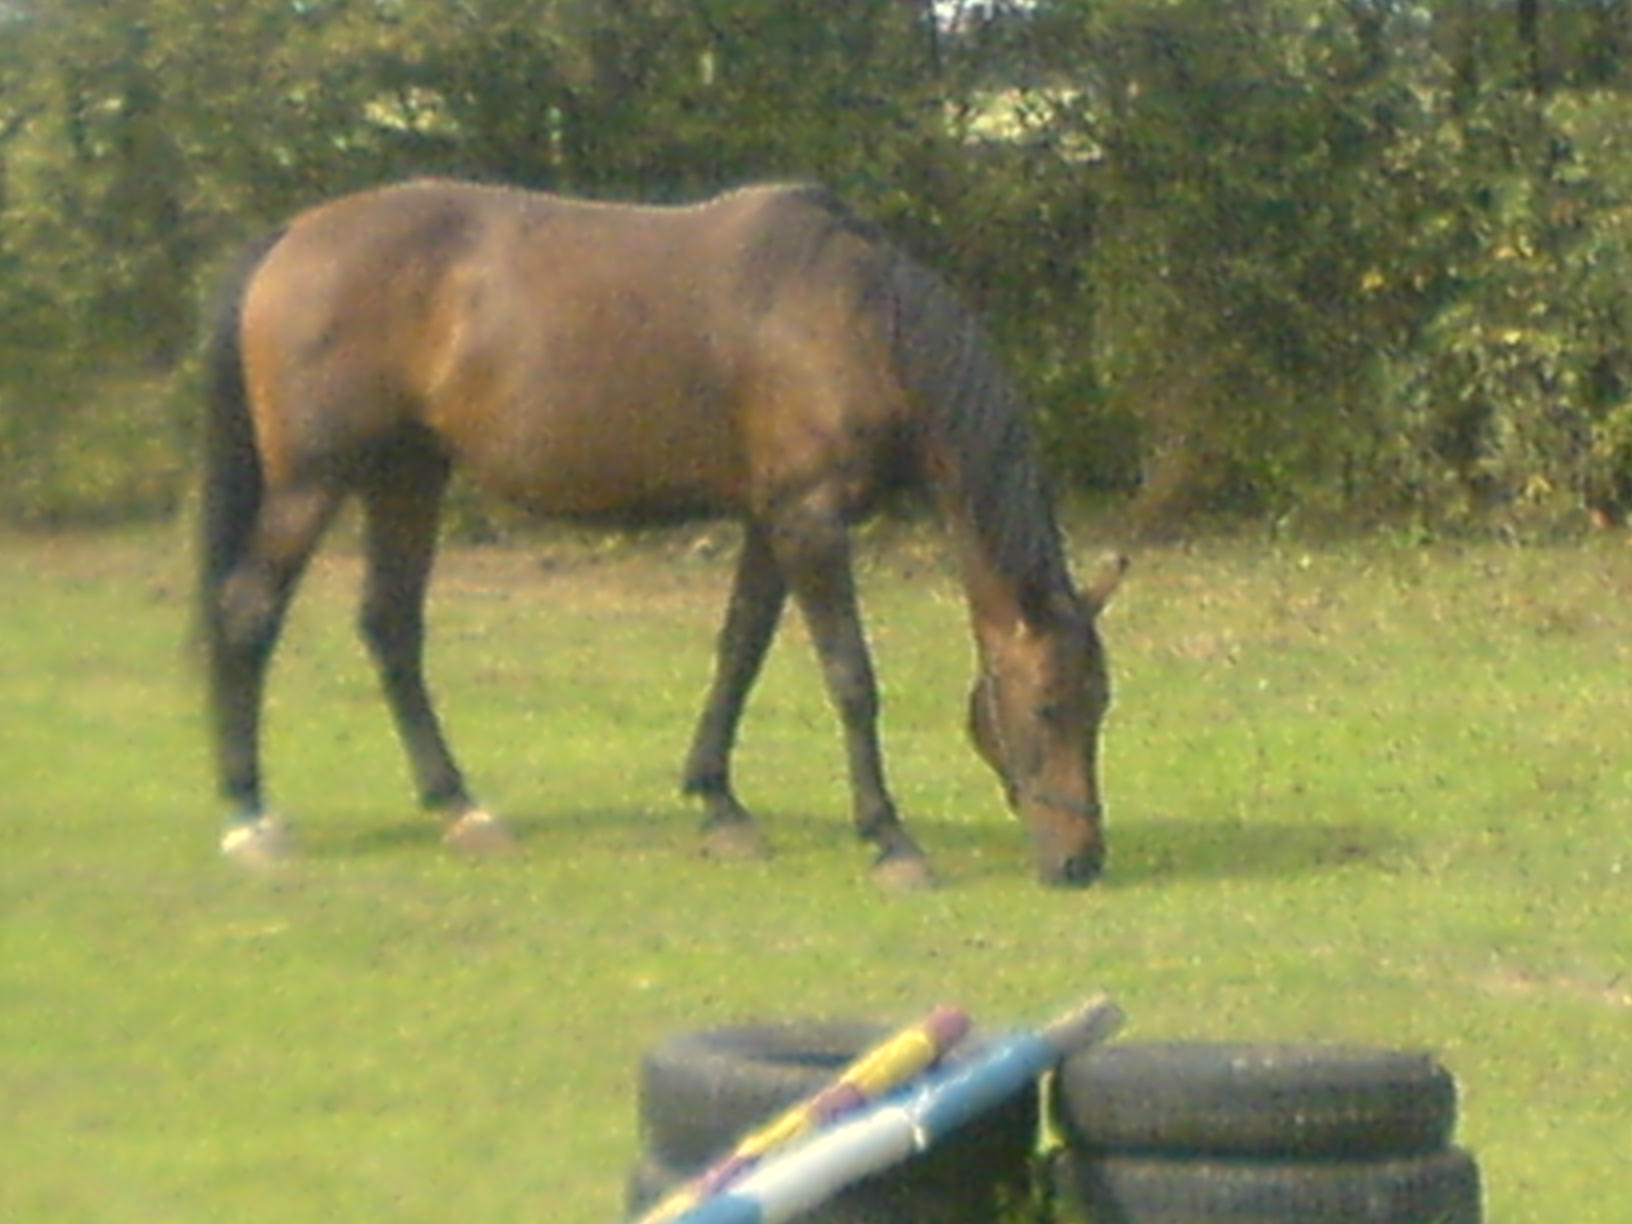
x=976, y=423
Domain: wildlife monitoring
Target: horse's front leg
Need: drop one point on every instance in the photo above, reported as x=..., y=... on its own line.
x=758, y=594
x=815, y=556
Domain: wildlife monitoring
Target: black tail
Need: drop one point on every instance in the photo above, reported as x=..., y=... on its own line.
x=232, y=469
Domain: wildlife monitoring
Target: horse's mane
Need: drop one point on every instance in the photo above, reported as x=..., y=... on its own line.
x=976, y=448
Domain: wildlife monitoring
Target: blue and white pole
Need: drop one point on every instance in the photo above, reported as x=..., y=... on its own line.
x=899, y=1127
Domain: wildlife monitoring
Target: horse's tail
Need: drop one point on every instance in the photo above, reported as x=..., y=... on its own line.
x=231, y=494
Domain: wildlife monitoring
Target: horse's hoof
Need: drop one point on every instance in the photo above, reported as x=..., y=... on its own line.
x=904, y=873
x=264, y=842
x=735, y=841
x=481, y=834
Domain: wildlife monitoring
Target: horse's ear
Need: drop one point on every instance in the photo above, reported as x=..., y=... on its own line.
x=1102, y=584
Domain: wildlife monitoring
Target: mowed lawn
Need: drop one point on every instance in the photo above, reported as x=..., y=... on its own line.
x=1362, y=792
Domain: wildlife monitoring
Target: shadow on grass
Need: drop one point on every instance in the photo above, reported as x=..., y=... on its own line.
x=1156, y=849
x=1143, y=851
x=1178, y=847
x=555, y=831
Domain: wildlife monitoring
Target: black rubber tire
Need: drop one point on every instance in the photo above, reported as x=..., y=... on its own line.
x=700, y=1092
x=1437, y=1188
x=1213, y=1099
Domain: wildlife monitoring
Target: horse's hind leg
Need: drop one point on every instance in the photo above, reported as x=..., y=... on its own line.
x=758, y=594
x=402, y=501
x=243, y=615
x=814, y=554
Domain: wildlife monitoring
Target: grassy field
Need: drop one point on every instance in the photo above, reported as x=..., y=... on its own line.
x=1367, y=793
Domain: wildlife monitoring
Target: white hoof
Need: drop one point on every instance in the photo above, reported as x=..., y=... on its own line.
x=257, y=843
x=481, y=834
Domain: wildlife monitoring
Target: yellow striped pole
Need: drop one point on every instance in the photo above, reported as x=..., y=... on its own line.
x=887, y=1065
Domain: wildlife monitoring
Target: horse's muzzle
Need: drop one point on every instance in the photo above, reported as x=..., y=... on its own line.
x=1072, y=856
x=1073, y=871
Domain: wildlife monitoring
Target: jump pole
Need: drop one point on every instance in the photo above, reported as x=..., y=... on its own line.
x=886, y=1066
x=895, y=1129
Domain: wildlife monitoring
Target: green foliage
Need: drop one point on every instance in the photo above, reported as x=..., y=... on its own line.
x=122, y=458
x=1335, y=241
x=1292, y=258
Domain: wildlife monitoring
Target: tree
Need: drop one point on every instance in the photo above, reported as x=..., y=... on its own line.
x=1276, y=257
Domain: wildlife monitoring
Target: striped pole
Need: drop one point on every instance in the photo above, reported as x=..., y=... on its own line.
x=888, y=1065
x=893, y=1130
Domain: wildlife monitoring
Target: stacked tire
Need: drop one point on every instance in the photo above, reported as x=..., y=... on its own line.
x=1181, y=1133
x=701, y=1092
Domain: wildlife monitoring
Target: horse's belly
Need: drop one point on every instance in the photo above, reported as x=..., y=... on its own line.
x=605, y=396
x=609, y=463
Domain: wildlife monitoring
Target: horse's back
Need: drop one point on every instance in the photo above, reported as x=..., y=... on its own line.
x=584, y=357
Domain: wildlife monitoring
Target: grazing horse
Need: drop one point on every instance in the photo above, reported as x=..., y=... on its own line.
x=765, y=355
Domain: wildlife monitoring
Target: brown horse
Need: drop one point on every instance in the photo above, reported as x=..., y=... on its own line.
x=764, y=354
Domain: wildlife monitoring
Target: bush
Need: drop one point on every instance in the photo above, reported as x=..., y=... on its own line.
x=1295, y=259
x=112, y=449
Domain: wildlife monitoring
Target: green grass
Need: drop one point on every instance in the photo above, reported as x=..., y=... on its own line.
x=1366, y=793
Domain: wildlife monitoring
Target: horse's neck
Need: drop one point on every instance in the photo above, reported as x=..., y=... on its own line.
x=997, y=607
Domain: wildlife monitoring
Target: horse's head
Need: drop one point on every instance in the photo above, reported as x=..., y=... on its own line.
x=1035, y=714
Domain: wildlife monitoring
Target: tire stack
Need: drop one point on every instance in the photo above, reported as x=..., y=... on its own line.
x=1181, y=1133
x=701, y=1092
